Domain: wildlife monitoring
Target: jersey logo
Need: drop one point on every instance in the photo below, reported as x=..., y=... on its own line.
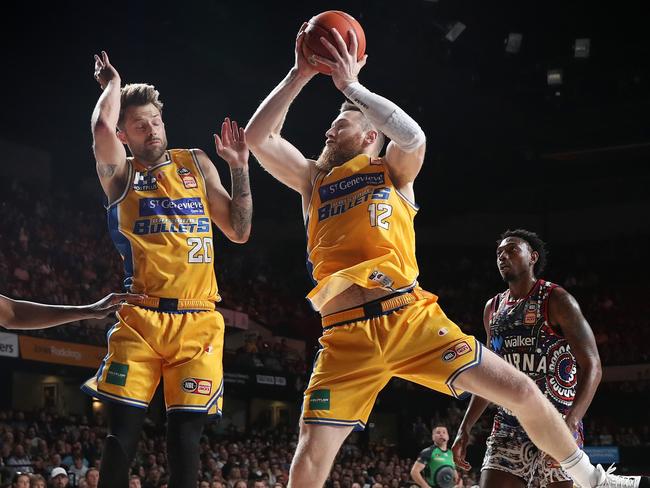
x=167, y=206
x=349, y=185
x=379, y=277
x=457, y=351
x=496, y=343
x=197, y=386
x=189, y=181
x=144, y=182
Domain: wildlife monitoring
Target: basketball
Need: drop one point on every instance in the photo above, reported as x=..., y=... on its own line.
x=321, y=25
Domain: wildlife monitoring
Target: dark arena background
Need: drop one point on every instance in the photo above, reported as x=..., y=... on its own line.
x=536, y=116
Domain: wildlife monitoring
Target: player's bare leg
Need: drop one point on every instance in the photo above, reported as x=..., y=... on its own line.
x=315, y=453
x=499, y=382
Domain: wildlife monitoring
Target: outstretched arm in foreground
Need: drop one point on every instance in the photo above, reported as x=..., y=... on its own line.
x=20, y=314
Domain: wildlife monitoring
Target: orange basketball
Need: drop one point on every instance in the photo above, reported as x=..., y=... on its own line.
x=321, y=25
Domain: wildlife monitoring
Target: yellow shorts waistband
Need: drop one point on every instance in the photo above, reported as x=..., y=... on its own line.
x=175, y=304
x=375, y=308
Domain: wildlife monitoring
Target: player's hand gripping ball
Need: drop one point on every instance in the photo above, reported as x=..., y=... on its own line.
x=321, y=26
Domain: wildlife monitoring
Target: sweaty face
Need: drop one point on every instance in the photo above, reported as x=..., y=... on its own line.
x=440, y=435
x=144, y=133
x=514, y=258
x=344, y=140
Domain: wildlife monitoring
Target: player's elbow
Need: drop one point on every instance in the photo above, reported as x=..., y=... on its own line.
x=240, y=237
x=256, y=137
x=416, y=143
x=595, y=368
x=102, y=125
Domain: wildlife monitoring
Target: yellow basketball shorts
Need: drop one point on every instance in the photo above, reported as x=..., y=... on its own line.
x=185, y=349
x=416, y=342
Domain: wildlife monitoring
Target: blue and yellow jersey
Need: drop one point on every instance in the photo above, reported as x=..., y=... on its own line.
x=162, y=228
x=359, y=231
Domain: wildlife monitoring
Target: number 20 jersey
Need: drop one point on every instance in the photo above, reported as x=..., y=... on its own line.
x=162, y=228
x=359, y=231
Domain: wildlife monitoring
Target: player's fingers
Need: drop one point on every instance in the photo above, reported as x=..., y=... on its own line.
x=120, y=298
x=235, y=131
x=217, y=142
x=330, y=47
x=111, y=309
x=242, y=135
x=323, y=60
x=105, y=58
x=302, y=29
x=354, y=43
x=340, y=43
x=225, y=131
x=363, y=61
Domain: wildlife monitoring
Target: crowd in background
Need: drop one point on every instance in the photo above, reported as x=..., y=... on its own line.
x=54, y=249
x=39, y=444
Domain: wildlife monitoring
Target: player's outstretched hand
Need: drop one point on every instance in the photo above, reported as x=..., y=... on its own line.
x=109, y=304
x=459, y=450
x=104, y=70
x=302, y=65
x=344, y=64
x=232, y=146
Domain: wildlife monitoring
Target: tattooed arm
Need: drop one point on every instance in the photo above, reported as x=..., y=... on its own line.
x=110, y=154
x=232, y=213
x=241, y=205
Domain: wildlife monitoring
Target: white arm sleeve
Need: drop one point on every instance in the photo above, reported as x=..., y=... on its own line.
x=386, y=117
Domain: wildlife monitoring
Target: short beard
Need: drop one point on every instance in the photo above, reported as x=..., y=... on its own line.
x=153, y=154
x=335, y=155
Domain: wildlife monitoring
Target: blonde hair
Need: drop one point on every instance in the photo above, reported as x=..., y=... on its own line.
x=138, y=94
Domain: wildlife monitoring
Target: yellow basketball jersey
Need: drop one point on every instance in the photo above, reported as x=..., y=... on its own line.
x=162, y=228
x=359, y=231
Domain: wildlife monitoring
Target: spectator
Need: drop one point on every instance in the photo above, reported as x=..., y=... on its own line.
x=77, y=470
x=19, y=461
x=20, y=480
x=59, y=478
x=92, y=477
x=134, y=481
x=37, y=481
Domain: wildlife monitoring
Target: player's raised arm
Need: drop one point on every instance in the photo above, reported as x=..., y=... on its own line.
x=278, y=156
x=110, y=154
x=405, y=152
x=20, y=314
x=232, y=213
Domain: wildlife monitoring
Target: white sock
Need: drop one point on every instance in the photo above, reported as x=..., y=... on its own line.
x=580, y=469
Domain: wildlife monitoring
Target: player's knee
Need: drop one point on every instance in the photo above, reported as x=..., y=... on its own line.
x=525, y=394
